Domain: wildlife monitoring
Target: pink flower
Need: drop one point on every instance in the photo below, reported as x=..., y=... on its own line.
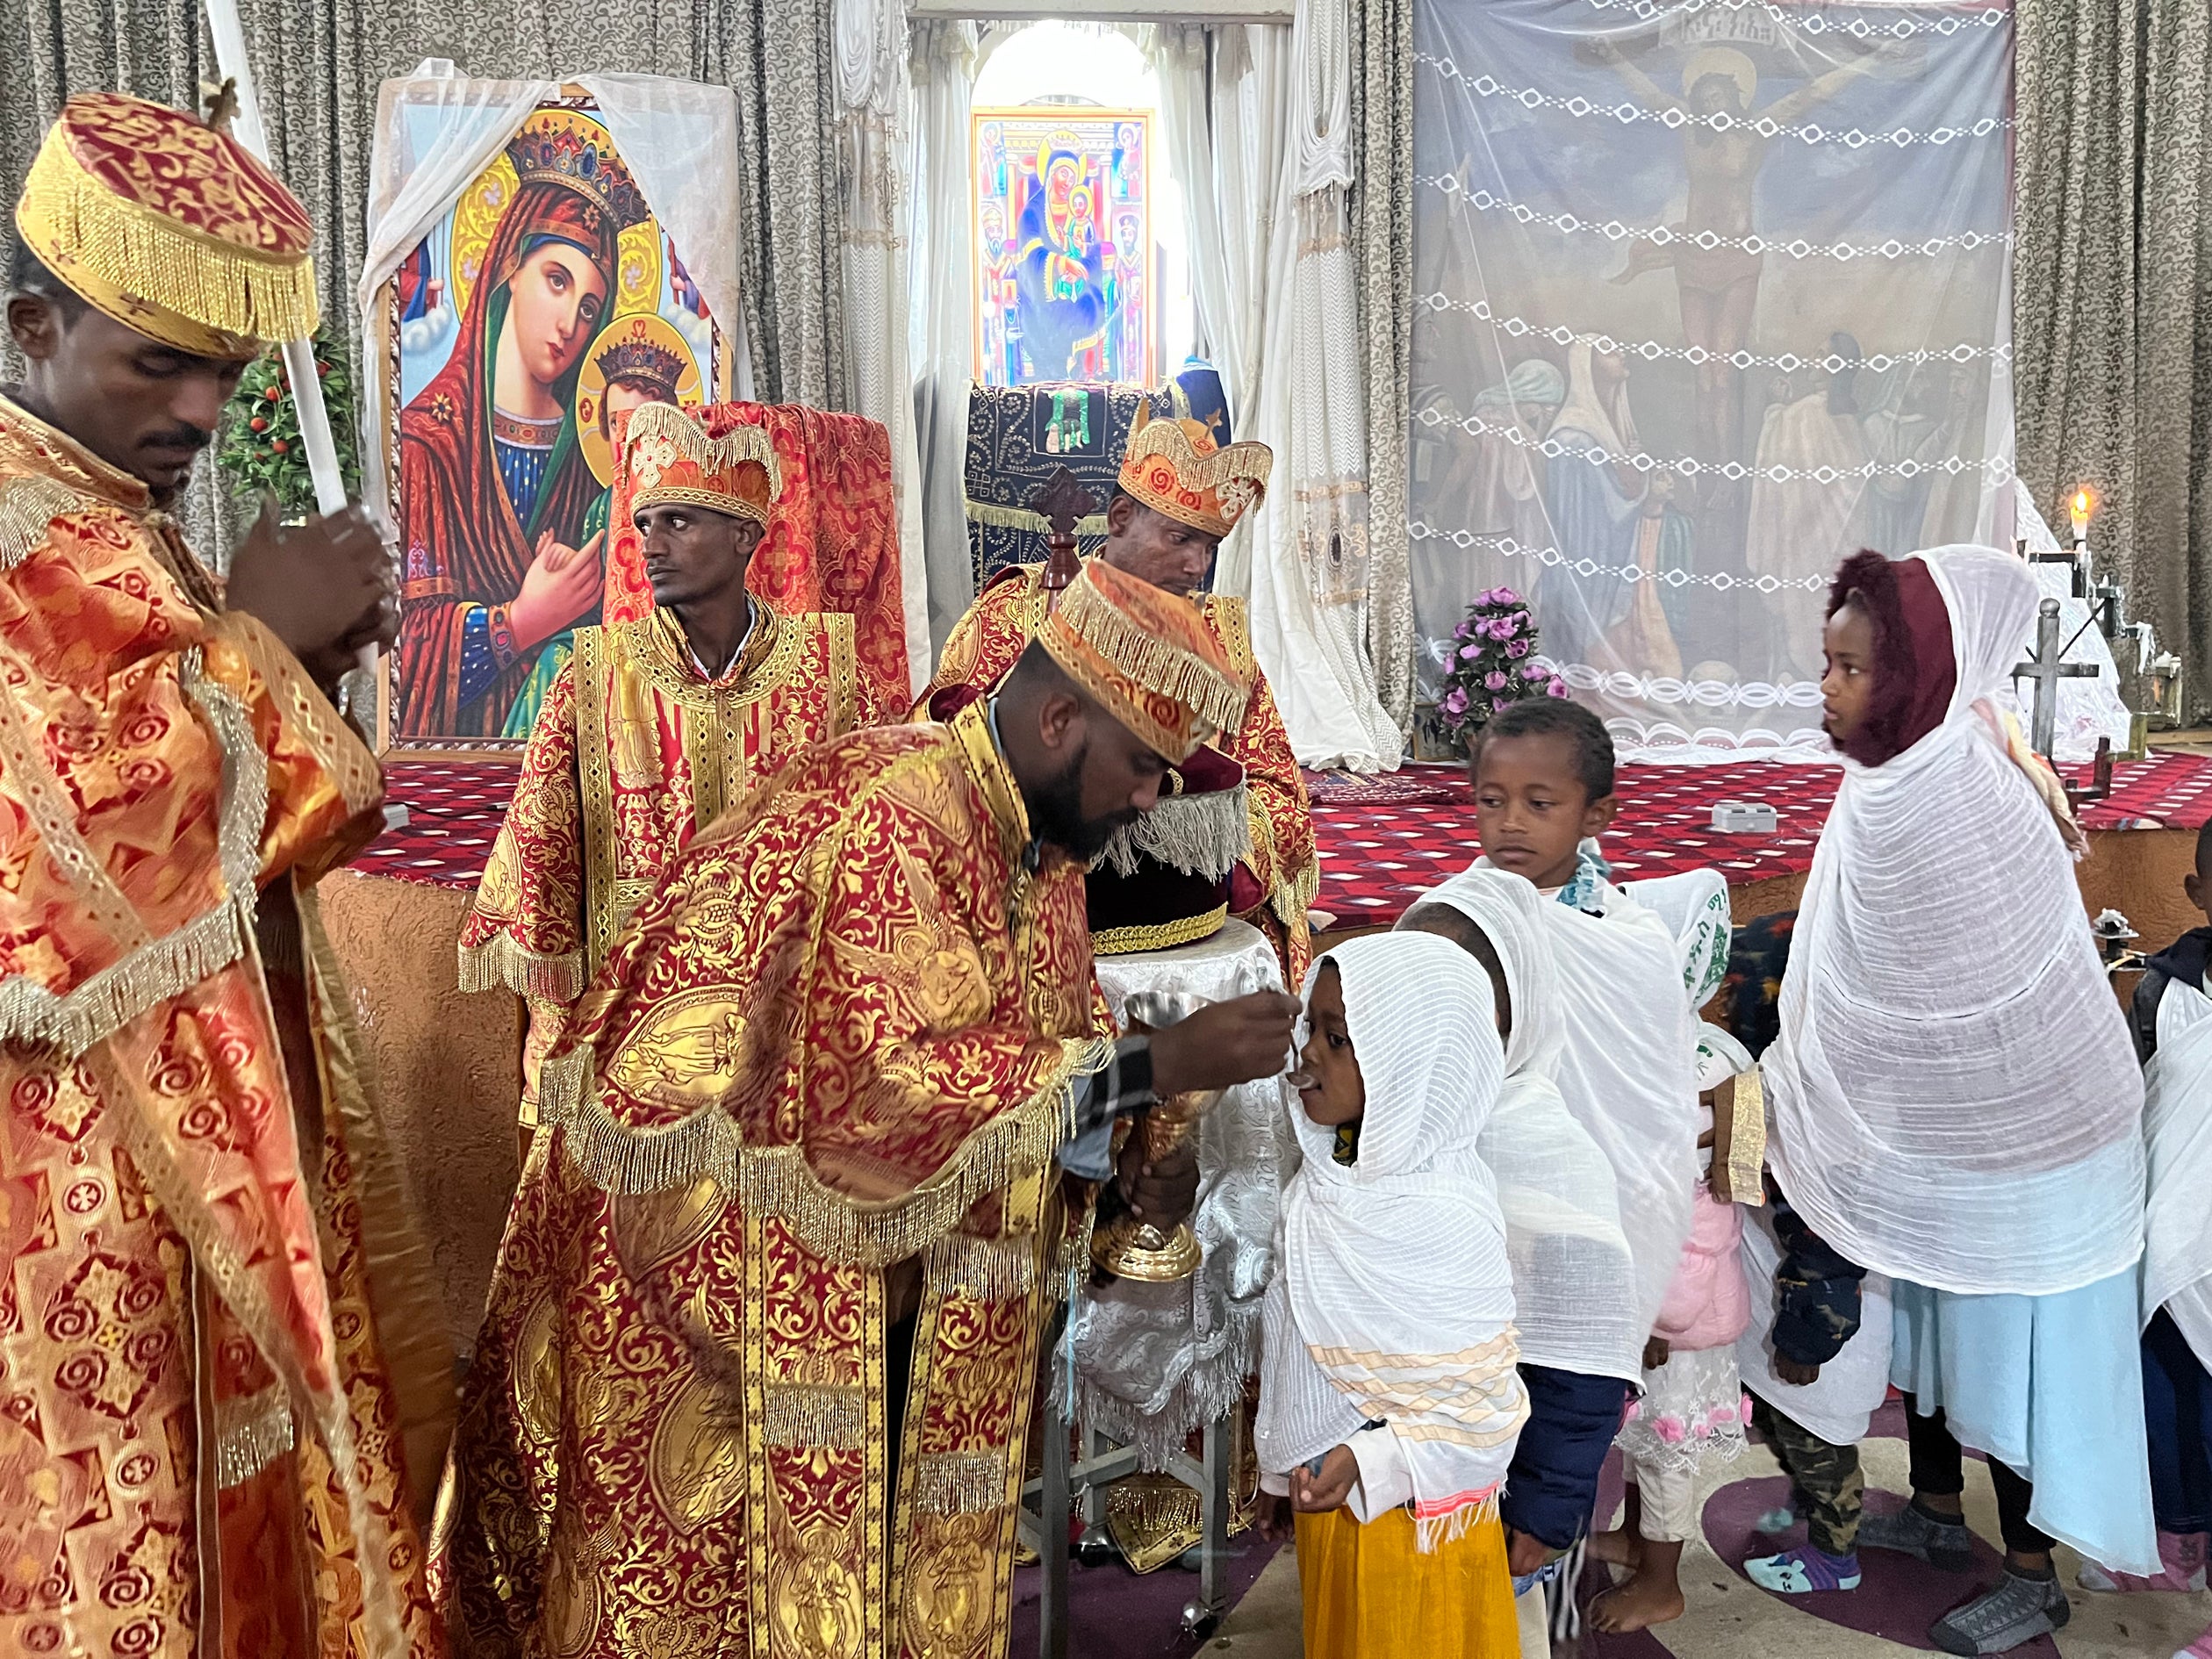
x=1463, y=630
x=1534, y=673
x=1670, y=1429
x=1509, y=624
x=1517, y=649
x=1558, y=689
x=1495, y=680
x=1468, y=653
x=1457, y=703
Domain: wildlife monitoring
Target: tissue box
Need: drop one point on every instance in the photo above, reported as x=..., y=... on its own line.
x=1743, y=817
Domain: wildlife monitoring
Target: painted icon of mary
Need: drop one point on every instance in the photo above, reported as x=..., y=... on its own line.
x=495, y=485
x=1060, y=270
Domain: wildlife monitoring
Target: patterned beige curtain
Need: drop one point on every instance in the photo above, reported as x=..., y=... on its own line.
x=319, y=62
x=1382, y=244
x=2112, y=304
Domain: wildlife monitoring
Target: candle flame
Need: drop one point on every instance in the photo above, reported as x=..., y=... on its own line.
x=2084, y=503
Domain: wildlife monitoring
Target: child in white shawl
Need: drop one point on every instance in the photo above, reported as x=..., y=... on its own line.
x=1389, y=1402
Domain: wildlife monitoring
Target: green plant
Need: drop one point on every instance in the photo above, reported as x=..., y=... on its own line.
x=1493, y=663
x=261, y=450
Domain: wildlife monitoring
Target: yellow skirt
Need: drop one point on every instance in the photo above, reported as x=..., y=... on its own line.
x=1370, y=1594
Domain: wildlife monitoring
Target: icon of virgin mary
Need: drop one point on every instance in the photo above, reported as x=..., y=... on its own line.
x=495, y=485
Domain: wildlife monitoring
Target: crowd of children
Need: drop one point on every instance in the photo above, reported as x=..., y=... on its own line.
x=1545, y=1211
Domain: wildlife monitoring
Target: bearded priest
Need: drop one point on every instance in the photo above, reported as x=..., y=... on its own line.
x=759, y=1366
x=223, y=1381
x=652, y=728
x=1234, y=832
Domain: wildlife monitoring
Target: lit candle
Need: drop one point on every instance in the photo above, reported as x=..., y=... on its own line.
x=2083, y=504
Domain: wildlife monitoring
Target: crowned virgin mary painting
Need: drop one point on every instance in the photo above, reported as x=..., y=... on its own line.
x=495, y=488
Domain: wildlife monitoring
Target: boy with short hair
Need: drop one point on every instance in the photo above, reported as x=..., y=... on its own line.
x=1544, y=790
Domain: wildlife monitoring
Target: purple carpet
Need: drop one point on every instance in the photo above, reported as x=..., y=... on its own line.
x=1114, y=1613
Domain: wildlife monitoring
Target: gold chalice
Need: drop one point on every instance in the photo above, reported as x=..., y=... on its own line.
x=1129, y=1247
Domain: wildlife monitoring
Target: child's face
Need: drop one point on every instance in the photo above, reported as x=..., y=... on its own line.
x=1334, y=1092
x=1847, y=686
x=1531, y=809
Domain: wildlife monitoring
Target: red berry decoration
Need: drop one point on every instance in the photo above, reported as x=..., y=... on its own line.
x=257, y=425
x=274, y=394
x=280, y=446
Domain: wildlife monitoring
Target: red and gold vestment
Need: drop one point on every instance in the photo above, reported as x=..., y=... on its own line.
x=634, y=750
x=217, y=1341
x=1281, y=876
x=837, y=1045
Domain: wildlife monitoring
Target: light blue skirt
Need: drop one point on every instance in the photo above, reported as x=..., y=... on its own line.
x=2051, y=1386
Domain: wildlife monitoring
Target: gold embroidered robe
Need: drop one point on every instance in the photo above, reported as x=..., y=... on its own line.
x=839, y=1039
x=632, y=752
x=217, y=1344
x=1283, y=874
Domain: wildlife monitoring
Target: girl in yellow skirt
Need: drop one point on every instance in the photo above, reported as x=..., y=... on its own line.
x=1389, y=1403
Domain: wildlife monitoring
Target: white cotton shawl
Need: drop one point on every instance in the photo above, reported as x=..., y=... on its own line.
x=1572, y=1271
x=2177, y=1129
x=1628, y=1071
x=1955, y=1101
x=1395, y=1266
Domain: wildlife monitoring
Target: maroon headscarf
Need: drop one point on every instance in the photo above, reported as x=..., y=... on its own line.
x=1915, y=668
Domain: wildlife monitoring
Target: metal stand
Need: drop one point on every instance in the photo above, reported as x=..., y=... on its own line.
x=1044, y=1527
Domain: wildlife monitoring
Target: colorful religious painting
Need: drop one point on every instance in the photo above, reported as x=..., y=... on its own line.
x=546, y=303
x=1063, y=246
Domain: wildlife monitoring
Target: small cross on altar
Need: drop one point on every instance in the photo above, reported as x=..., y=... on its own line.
x=2046, y=670
x=1062, y=502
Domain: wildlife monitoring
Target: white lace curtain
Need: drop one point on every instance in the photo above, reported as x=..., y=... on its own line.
x=1708, y=295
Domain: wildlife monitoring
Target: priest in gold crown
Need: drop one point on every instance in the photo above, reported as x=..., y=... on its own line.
x=653, y=728
x=1234, y=835
x=759, y=1366
x=222, y=1375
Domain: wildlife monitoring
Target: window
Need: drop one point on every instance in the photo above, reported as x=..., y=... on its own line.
x=1081, y=269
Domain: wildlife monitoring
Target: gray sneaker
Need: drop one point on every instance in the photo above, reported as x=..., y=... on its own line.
x=2018, y=1611
x=1945, y=1545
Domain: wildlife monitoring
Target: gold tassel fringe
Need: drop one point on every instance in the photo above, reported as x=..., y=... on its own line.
x=960, y=1482
x=92, y=236
x=734, y=448
x=1008, y=518
x=776, y=1181
x=500, y=964
x=1168, y=671
x=251, y=1433
x=985, y=1269
x=28, y=508
x=1295, y=895
x=796, y=1414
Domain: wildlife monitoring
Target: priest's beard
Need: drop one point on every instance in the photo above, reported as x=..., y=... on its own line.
x=1056, y=813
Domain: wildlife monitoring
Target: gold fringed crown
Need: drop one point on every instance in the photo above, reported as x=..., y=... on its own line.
x=669, y=457
x=1174, y=467
x=170, y=227
x=1148, y=657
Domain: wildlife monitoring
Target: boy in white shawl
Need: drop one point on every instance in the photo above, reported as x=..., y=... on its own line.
x=1955, y=1102
x=1388, y=1401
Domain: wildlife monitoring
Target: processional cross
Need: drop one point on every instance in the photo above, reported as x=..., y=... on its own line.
x=1062, y=502
x=2046, y=669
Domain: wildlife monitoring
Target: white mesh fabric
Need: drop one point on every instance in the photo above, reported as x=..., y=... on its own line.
x=1571, y=1266
x=1954, y=1097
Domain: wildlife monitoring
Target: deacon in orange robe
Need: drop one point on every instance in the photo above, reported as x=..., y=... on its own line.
x=1178, y=495
x=654, y=727
x=220, y=1380
x=759, y=1364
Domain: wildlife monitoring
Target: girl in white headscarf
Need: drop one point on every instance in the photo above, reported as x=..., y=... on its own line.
x=1954, y=1097
x=1388, y=1401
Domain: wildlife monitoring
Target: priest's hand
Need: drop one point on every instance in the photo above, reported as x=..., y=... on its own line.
x=1161, y=1187
x=1225, y=1043
x=325, y=588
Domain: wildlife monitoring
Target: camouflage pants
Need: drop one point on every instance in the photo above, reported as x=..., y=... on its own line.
x=1826, y=1486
